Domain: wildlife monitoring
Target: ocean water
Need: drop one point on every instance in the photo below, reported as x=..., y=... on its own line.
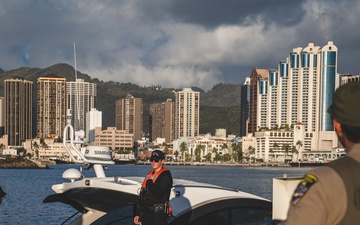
x=27, y=188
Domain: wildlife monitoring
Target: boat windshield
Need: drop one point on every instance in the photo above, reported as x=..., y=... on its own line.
x=121, y=216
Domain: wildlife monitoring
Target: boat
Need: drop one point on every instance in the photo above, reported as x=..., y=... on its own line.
x=122, y=159
x=112, y=200
x=57, y=160
x=306, y=164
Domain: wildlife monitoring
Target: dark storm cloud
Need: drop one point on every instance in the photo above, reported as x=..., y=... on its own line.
x=215, y=13
x=178, y=43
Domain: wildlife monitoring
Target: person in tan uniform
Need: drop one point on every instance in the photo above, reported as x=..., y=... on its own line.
x=330, y=194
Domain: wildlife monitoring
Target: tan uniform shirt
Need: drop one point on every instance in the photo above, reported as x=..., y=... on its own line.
x=325, y=202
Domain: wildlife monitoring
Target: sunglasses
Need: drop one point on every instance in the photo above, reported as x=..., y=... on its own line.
x=154, y=160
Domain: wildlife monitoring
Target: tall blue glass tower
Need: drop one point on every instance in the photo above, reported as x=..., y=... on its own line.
x=328, y=75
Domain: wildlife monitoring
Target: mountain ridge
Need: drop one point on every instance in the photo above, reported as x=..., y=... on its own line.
x=222, y=99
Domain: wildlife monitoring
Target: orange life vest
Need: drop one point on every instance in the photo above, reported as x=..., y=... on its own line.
x=152, y=175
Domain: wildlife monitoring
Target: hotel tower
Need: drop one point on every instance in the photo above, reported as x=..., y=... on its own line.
x=299, y=91
x=80, y=98
x=18, y=110
x=51, y=106
x=129, y=115
x=187, y=108
x=162, y=120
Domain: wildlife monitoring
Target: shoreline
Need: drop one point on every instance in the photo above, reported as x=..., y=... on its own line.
x=22, y=164
x=218, y=164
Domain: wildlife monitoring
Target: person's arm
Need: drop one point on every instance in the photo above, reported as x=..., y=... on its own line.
x=311, y=209
x=323, y=202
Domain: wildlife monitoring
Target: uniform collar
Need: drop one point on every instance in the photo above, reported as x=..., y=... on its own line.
x=354, y=152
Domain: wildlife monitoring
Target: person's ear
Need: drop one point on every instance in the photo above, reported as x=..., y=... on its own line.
x=337, y=127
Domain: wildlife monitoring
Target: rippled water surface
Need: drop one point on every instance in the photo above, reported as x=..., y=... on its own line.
x=26, y=188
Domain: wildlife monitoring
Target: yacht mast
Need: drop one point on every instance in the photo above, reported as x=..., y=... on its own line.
x=77, y=97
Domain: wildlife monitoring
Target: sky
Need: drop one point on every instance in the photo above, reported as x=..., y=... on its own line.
x=174, y=43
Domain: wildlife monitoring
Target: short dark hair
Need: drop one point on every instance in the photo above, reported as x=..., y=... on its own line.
x=352, y=133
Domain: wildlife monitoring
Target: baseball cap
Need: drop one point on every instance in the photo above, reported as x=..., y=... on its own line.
x=345, y=106
x=157, y=155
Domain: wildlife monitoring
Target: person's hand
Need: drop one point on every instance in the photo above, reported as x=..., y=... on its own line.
x=136, y=220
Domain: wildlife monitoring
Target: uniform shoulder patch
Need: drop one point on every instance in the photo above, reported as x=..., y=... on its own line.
x=306, y=182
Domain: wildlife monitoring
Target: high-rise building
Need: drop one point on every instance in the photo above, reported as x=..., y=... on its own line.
x=51, y=106
x=80, y=97
x=162, y=121
x=2, y=116
x=256, y=76
x=93, y=120
x=299, y=91
x=348, y=78
x=113, y=138
x=244, y=106
x=18, y=110
x=129, y=115
x=187, y=108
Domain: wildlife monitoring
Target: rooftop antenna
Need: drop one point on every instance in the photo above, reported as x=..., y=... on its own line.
x=77, y=97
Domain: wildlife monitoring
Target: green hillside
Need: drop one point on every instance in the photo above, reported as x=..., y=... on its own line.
x=219, y=106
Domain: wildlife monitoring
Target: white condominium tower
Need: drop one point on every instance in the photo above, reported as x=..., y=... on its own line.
x=51, y=106
x=299, y=91
x=187, y=108
x=80, y=97
x=93, y=120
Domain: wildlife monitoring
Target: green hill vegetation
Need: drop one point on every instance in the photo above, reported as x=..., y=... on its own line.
x=219, y=106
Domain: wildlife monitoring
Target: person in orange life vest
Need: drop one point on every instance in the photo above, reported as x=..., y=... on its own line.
x=155, y=192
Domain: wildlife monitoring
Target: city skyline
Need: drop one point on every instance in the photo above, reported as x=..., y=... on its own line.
x=307, y=74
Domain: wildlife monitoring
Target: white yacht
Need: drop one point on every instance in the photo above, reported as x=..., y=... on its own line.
x=112, y=200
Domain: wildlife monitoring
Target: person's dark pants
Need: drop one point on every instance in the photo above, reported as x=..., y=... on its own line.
x=150, y=218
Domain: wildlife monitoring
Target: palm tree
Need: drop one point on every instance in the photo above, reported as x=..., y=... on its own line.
x=275, y=148
x=236, y=148
x=217, y=155
x=203, y=150
x=183, y=147
x=294, y=151
x=198, y=152
x=176, y=153
x=299, y=144
x=166, y=150
x=226, y=157
x=286, y=148
x=36, y=146
x=44, y=146
x=2, y=146
x=251, y=151
x=208, y=157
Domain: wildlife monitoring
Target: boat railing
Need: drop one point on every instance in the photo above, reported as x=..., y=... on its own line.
x=95, y=156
